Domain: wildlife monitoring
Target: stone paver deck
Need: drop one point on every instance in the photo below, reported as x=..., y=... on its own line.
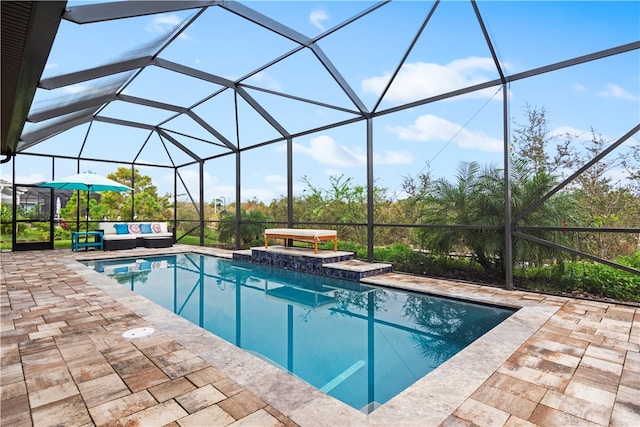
x=64, y=361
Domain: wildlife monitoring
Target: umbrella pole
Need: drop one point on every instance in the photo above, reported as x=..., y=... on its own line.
x=88, y=203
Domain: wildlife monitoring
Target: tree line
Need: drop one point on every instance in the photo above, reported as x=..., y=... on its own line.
x=450, y=227
x=463, y=218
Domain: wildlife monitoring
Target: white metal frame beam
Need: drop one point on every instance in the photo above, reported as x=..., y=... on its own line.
x=95, y=73
x=86, y=14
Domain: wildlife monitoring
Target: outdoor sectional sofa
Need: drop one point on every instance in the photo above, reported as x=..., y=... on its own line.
x=128, y=235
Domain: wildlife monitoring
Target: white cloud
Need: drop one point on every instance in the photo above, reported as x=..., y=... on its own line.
x=317, y=16
x=563, y=131
x=325, y=150
x=579, y=88
x=275, y=179
x=431, y=128
x=390, y=157
x=50, y=65
x=33, y=178
x=265, y=80
x=422, y=80
x=164, y=24
x=615, y=91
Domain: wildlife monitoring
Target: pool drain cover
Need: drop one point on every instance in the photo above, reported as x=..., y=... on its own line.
x=138, y=332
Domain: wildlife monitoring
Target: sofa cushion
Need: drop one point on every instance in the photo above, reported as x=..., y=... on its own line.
x=145, y=228
x=122, y=228
x=107, y=227
x=119, y=237
x=134, y=228
x=154, y=235
x=157, y=229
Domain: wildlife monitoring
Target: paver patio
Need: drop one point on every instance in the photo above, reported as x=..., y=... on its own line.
x=65, y=362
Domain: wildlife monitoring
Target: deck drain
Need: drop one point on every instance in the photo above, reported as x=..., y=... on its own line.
x=138, y=332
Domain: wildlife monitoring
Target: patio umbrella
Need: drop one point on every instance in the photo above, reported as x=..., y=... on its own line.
x=86, y=181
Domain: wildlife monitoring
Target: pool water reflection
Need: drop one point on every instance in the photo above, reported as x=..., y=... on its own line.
x=360, y=344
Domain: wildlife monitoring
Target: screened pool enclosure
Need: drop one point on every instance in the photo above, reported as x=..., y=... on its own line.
x=229, y=106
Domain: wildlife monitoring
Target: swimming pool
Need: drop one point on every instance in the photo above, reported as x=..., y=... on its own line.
x=359, y=344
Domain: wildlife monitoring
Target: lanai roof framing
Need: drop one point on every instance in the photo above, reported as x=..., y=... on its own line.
x=108, y=85
x=88, y=108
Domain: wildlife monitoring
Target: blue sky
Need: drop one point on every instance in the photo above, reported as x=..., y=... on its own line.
x=450, y=54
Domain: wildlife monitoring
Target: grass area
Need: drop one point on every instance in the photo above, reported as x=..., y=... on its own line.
x=195, y=241
x=62, y=244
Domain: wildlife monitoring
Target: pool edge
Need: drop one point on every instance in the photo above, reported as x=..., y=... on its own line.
x=430, y=400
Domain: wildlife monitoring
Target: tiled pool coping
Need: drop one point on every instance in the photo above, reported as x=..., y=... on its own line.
x=557, y=361
x=435, y=396
x=431, y=399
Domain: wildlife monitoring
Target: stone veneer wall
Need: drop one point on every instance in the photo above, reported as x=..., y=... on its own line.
x=307, y=264
x=354, y=276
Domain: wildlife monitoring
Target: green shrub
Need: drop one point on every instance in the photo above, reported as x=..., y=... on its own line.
x=61, y=234
x=359, y=250
x=397, y=253
x=606, y=281
x=586, y=278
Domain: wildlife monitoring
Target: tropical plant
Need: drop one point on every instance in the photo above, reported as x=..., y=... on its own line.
x=452, y=206
x=147, y=204
x=467, y=215
x=252, y=225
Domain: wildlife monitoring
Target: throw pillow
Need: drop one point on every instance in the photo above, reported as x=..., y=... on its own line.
x=157, y=228
x=121, y=228
x=134, y=228
x=145, y=229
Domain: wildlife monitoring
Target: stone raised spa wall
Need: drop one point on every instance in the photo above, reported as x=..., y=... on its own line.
x=320, y=266
x=354, y=276
x=312, y=265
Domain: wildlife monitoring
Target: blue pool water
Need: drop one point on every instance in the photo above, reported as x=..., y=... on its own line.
x=360, y=344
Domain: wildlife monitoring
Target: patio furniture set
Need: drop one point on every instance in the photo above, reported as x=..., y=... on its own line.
x=129, y=235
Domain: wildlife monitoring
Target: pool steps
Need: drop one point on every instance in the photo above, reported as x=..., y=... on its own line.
x=327, y=263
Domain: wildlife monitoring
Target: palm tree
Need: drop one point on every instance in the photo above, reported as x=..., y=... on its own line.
x=476, y=198
x=252, y=225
